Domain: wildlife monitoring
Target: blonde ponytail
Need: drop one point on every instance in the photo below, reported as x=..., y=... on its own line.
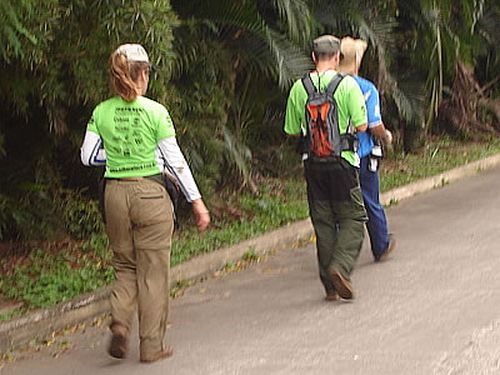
x=124, y=75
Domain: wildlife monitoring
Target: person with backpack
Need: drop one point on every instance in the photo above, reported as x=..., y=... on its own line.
x=370, y=150
x=133, y=136
x=326, y=109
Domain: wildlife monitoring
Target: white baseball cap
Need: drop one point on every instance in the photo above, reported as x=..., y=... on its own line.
x=133, y=52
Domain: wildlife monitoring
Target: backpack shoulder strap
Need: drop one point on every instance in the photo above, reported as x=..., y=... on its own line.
x=308, y=84
x=334, y=83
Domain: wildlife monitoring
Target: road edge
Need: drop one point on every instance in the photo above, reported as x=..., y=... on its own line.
x=42, y=323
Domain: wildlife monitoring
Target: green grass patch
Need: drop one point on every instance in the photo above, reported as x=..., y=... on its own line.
x=279, y=203
x=8, y=315
x=46, y=276
x=434, y=158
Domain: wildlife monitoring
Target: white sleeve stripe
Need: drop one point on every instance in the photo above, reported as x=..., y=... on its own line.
x=375, y=124
x=93, y=154
x=100, y=155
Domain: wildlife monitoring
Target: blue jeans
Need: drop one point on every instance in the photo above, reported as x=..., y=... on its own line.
x=377, y=221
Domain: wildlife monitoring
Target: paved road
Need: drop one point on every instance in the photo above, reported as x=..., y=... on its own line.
x=434, y=308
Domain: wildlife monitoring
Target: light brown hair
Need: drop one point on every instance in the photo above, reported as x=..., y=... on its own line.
x=124, y=75
x=352, y=51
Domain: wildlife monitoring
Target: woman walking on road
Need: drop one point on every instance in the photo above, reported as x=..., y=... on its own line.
x=134, y=137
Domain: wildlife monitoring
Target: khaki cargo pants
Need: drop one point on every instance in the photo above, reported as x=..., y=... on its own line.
x=139, y=224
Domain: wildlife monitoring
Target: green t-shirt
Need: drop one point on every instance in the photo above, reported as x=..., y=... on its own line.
x=350, y=103
x=130, y=132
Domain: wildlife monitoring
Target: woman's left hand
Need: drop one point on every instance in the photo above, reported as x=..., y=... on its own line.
x=201, y=214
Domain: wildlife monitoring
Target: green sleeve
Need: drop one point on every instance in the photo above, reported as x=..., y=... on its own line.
x=356, y=103
x=92, y=124
x=295, y=112
x=165, y=125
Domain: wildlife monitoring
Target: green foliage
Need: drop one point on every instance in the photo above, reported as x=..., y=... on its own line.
x=98, y=245
x=11, y=314
x=5, y=208
x=277, y=204
x=53, y=58
x=222, y=69
x=47, y=279
x=81, y=216
x=21, y=36
x=30, y=216
x=434, y=158
x=414, y=49
x=250, y=256
x=44, y=210
x=69, y=44
x=245, y=24
x=227, y=54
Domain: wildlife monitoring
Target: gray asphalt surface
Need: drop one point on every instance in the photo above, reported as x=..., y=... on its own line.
x=433, y=308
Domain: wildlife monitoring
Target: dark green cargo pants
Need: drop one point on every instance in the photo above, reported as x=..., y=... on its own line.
x=338, y=215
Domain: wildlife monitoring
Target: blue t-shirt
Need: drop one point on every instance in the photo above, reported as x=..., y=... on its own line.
x=372, y=101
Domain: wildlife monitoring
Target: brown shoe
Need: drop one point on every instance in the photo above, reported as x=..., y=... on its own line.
x=118, y=346
x=165, y=353
x=332, y=296
x=390, y=249
x=342, y=285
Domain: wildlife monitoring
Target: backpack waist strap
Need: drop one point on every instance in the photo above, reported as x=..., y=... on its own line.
x=348, y=142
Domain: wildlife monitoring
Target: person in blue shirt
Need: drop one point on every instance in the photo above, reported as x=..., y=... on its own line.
x=370, y=151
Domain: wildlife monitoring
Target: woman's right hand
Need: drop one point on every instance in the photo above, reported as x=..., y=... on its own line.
x=201, y=214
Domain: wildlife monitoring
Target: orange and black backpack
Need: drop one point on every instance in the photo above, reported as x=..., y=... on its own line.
x=323, y=141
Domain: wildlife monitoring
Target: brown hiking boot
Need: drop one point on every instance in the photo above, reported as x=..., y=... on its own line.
x=118, y=346
x=389, y=250
x=162, y=354
x=342, y=285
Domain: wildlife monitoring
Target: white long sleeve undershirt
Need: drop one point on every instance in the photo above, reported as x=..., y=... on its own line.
x=168, y=155
x=171, y=159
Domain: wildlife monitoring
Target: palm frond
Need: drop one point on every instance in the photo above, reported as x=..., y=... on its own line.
x=488, y=25
x=236, y=22
x=291, y=61
x=13, y=33
x=297, y=16
x=239, y=155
